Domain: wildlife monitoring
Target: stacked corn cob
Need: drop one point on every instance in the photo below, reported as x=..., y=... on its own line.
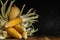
x=16, y=24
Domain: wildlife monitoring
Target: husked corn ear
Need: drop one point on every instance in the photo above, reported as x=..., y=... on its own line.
x=24, y=35
x=14, y=12
x=13, y=22
x=14, y=33
x=20, y=28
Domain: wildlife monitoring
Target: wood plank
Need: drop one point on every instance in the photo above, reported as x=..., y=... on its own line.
x=39, y=38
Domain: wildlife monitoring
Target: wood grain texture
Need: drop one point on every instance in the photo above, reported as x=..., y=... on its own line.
x=39, y=38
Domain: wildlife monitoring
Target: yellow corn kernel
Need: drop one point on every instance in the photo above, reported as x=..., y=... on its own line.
x=14, y=12
x=13, y=22
x=20, y=28
x=24, y=35
x=14, y=33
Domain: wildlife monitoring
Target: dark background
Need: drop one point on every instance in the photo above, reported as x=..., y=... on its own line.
x=49, y=20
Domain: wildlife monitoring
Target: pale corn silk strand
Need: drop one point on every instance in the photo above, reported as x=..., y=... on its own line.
x=27, y=20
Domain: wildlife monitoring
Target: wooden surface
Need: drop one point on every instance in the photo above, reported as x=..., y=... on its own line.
x=40, y=38
x=44, y=38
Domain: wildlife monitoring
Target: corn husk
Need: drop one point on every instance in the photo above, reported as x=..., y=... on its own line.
x=14, y=12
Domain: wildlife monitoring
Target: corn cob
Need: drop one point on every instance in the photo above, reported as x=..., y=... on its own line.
x=14, y=33
x=8, y=35
x=24, y=35
x=20, y=28
x=14, y=12
x=13, y=22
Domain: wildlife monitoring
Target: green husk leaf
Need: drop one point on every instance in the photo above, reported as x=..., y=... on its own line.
x=1, y=3
x=3, y=8
x=0, y=0
x=9, y=8
x=22, y=10
x=29, y=10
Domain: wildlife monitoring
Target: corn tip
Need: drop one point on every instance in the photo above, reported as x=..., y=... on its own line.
x=25, y=37
x=24, y=29
x=6, y=26
x=20, y=37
